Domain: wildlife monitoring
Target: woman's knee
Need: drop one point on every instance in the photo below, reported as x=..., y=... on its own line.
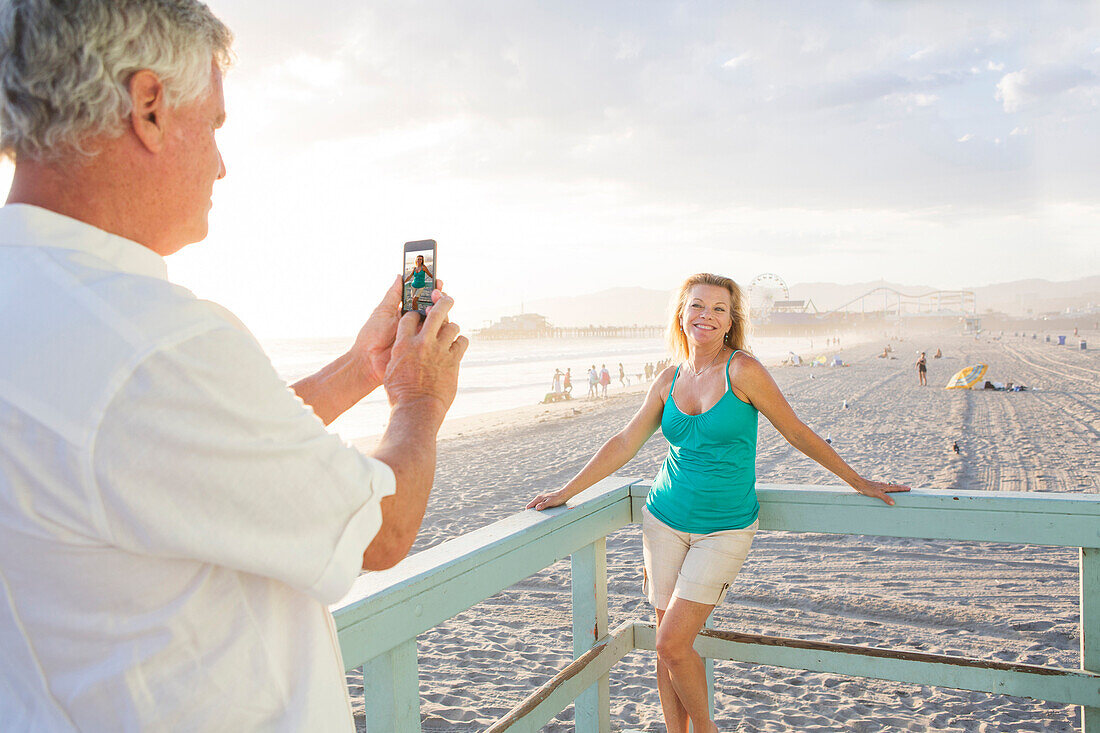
x=672, y=649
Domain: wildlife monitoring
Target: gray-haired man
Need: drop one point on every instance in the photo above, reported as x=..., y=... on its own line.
x=173, y=519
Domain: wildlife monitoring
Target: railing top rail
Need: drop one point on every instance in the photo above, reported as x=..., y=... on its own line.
x=383, y=609
x=1034, y=518
x=1011, y=501
x=437, y=564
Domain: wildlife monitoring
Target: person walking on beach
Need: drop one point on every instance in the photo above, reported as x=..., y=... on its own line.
x=567, y=386
x=556, y=383
x=605, y=380
x=922, y=370
x=593, y=380
x=622, y=375
x=175, y=521
x=701, y=514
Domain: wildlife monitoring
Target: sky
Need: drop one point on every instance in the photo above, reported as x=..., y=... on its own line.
x=561, y=148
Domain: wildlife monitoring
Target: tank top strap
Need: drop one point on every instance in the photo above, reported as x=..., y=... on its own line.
x=729, y=386
x=674, y=375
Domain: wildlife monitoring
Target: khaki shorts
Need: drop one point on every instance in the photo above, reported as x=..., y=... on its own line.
x=694, y=567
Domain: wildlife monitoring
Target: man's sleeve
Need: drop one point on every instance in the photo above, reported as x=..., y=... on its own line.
x=205, y=454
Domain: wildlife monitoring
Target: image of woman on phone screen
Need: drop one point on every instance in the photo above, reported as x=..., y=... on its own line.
x=421, y=286
x=701, y=514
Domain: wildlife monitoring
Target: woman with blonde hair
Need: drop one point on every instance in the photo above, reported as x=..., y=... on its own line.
x=701, y=514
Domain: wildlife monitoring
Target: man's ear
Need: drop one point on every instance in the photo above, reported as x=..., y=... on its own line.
x=148, y=109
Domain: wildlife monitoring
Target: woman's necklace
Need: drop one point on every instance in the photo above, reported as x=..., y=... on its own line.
x=708, y=366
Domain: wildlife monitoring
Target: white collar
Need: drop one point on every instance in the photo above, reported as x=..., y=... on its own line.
x=24, y=225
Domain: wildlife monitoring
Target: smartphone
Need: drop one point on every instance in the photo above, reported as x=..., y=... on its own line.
x=419, y=270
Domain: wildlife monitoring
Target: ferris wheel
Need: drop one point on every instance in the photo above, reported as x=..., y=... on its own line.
x=764, y=290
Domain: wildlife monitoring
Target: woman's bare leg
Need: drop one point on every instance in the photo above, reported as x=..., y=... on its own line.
x=676, y=717
x=678, y=627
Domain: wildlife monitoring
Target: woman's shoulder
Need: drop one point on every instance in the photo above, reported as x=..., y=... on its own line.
x=665, y=376
x=740, y=356
x=745, y=364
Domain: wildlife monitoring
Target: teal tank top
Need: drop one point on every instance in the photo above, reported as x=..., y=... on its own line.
x=419, y=279
x=708, y=480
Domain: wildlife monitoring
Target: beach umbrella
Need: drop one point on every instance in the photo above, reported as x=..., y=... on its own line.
x=967, y=377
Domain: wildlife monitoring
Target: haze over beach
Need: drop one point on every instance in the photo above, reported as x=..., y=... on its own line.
x=624, y=306
x=578, y=160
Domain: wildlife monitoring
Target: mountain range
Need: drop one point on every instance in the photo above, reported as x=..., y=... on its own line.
x=626, y=306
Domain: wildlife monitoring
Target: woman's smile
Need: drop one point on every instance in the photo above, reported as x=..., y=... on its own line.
x=702, y=330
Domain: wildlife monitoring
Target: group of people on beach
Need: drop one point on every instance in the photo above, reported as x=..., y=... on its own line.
x=598, y=381
x=651, y=370
x=176, y=519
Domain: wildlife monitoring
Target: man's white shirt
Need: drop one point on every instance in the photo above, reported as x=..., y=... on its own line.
x=173, y=519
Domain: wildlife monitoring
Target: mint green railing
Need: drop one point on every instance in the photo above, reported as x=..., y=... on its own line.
x=379, y=620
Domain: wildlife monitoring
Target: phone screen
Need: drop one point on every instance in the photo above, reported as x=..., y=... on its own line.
x=419, y=272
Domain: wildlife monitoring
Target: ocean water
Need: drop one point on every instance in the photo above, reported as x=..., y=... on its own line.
x=499, y=375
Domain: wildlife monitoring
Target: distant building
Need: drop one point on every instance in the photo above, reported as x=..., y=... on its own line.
x=521, y=326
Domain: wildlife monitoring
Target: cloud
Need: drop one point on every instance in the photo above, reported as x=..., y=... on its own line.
x=912, y=100
x=825, y=108
x=1018, y=90
x=736, y=61
x=864, y=88
x=629, y=47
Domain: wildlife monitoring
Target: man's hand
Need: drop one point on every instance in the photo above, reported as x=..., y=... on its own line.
x=372, y=346
x=423, y=360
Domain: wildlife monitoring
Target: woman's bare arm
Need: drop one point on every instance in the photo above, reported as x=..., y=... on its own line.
x=615, y=453
x=757, y=384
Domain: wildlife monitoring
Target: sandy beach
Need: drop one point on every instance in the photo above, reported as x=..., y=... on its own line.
x=1003, y=602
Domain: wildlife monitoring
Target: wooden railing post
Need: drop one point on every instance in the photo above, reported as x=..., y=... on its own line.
x=1090, y=628
x=589, y=580
x=391, y=687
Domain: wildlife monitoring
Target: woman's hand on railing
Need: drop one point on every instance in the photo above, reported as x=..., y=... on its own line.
x=878, y=489
x=545, y=501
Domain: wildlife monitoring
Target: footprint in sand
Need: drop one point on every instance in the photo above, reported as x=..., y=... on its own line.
x=1033, y=626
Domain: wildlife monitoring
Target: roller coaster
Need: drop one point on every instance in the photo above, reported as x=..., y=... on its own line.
x=769, y=298
x=889, y=301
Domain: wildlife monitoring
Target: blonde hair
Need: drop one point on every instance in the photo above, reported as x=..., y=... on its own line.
x=736, y=337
